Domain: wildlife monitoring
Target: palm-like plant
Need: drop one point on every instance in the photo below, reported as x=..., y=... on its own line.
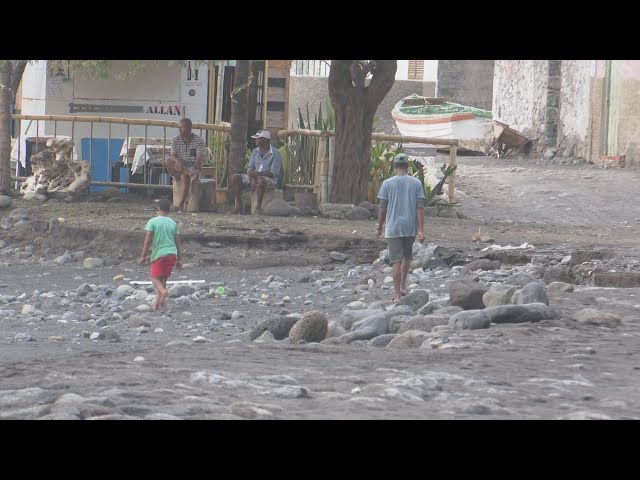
x=381, y=166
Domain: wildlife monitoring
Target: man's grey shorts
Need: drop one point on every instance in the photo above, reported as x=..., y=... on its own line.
x=400, y=248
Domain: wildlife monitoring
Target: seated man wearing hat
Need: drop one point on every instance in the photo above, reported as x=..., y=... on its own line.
x=263, y=173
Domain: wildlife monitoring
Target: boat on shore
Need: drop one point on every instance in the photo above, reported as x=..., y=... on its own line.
x=433, y=117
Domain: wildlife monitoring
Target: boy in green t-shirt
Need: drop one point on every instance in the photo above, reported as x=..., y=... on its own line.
x=166, y=250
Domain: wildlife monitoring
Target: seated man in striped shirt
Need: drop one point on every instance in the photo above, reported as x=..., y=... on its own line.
x=187, y=154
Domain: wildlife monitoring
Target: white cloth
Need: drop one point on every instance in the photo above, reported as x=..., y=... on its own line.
x=133, y=142
x=151, y=154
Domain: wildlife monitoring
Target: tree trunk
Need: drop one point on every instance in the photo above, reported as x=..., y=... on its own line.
x=355, y=106
x=352, y=152
x=5, y=134
x=10, y=77
x=239, y=118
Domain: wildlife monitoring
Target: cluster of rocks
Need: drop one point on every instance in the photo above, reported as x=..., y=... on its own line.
x=18, y=218
x=113, y=308
x=475, y=295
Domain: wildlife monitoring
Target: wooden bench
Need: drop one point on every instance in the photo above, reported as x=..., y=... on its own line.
x=201, y=197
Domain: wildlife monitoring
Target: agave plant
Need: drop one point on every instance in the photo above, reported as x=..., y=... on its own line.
x=431, y=193
x=381, y=166
x=220, y=146
x=300, y=154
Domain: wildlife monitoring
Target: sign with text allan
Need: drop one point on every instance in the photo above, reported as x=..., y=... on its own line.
x=172, y=110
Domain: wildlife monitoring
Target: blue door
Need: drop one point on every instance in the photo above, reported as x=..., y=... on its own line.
x=97, y=156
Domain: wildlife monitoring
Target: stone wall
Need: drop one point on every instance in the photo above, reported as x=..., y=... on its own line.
x=469, y=82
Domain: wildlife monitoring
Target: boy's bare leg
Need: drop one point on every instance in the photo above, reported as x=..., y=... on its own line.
x=186, y=184
x=396, y=274
x=161, y=291
x=164, y=284
x=406, y=264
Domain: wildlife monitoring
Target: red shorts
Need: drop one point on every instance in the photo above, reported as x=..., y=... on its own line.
x=162, y=266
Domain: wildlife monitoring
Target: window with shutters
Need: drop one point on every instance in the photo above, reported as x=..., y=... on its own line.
x=416, y=69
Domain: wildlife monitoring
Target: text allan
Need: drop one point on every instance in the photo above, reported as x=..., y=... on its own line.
x=164, y=110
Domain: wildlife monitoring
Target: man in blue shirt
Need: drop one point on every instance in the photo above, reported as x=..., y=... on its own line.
x=402, y=204
x=263, y=174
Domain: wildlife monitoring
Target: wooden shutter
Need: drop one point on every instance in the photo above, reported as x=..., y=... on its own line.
x=416, y=69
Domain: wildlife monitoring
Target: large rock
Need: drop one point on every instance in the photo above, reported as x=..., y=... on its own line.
x=438, y=318
x=382, y=341
x=349, y=317
x=520, y=279
x=334, y=329
x=415, y=299
x=375, y=325
x=93, y=262
x=338, y=256
x=312, y=327
x=409, y=339
x=483, y=264
x=277, y=208
x=34, y=197
x=372, y=207
x=278, y=326
x=83, y=289
x=560, y=287
x=590, y=316
x=19, y=214
x=336, y=207
x=418, y=322
x=5, y=201
x=470, y=320
x=533, y=292
x=180, y=290
x=435, y=256
x=108, y=334
x=532, y=312
x=498, y=294
x=467, y=294
x=396, y=323
x=357, y=213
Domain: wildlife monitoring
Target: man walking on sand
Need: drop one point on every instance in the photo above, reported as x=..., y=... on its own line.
x=402, y=204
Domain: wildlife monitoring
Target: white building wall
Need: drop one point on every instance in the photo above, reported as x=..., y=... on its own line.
x=161, y=92
x=34, y=93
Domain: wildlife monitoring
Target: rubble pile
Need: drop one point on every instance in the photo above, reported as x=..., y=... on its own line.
x=55, y=170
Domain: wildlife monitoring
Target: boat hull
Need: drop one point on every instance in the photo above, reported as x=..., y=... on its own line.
x=461, y=127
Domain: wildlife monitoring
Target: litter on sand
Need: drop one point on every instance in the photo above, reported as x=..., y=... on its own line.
x=147, y=282
x=524, y=246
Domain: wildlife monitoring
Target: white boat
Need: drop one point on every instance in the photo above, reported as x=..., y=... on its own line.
x=435, y=118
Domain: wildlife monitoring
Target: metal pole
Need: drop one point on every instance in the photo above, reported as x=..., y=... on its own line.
x=452, y=177
x=144, y=158
x=109, y=175
x=91, y=144
x=164, y=153
x=55, y=128
x=18, y=162
x=128, y=142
